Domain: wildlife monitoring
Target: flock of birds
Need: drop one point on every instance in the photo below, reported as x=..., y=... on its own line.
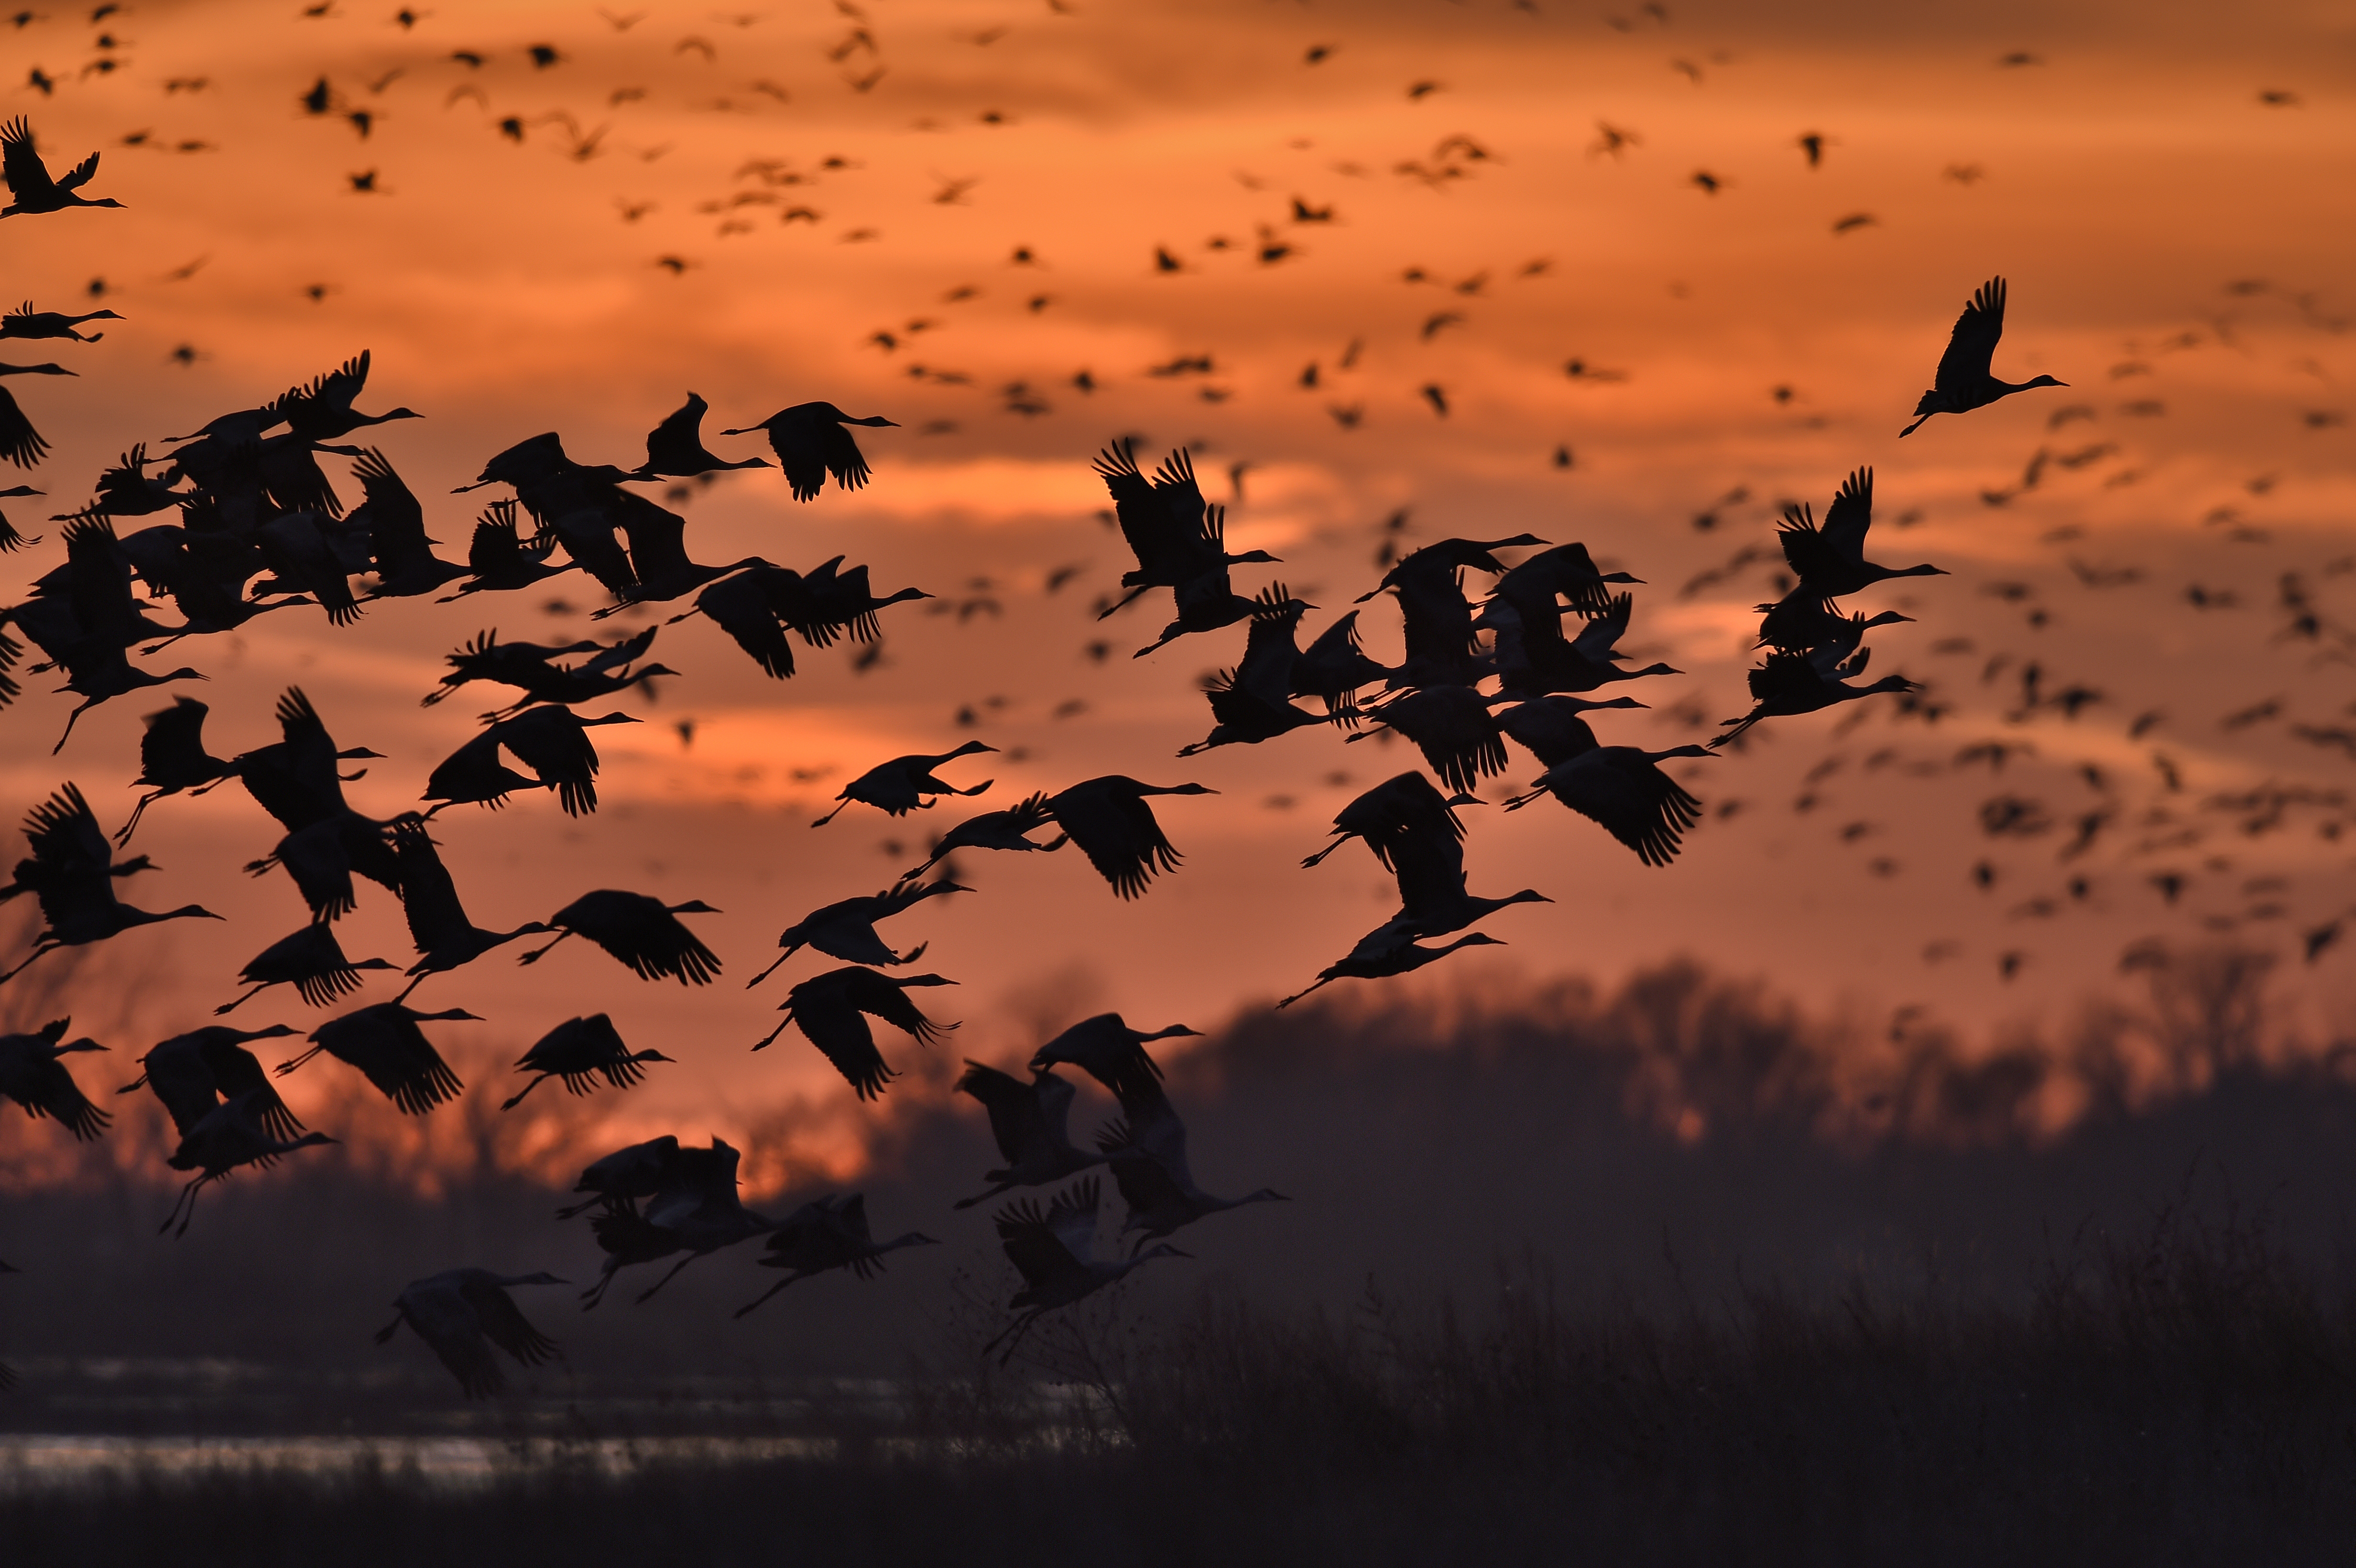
x=259, y=527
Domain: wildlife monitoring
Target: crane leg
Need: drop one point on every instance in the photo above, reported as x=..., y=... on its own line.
x=668, y=1278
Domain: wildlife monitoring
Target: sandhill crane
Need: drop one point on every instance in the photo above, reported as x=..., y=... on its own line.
x=462, y=1314
x=172, y=758
x=693, y=1208
x=1108, y=1050
x=830, y=1009
x=1007, y=829
x=384, y=1043
x=321, y=410
x=1054, y=1251
x=20, y=442
x=444, y=937
x=522, y=665
x=394, y=524
x=579, y=1049
x=1789, y=685
x=624, y=1176
x=28, y=179
x=1177, y=538
x=675, y=447
x=1335, y=667
x=295, y=778
x=32, y=1074
x=1534, y=665
x=71, y=872
x=26, y=322
x=811, y=442
x=1402, y=807
x=303, y=554
x=828, y=1234
x=1567, y=571
x=1147, y=1150
x=1451, y=727
x=640, y=931
x=1205, y=604
x=1252, y=702
x=1109, y=818
x=500, y=560
x=312, y=961
x=230, y=1136
x=321, y=859
x=1426, y=853
x=1384, y=954
x=1830, y=561
x=1438, y=617
x=759, y=603
x=904, y=784
x=1030, y=1124
x=1802, y=622
x=846, y=928
x=11, y=540
x=1621, y=788
x=553, y=743
x=607, y=673
x=194, y=1073
x=1965, y=380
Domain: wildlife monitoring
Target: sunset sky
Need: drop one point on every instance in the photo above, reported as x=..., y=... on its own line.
x=947, y=213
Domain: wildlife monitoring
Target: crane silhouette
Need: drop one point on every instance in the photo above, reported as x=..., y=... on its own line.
x=1008, y=829
x=1029, y=1122
x=173, y=759
x=1054, y=1251
x=1965, y=380
x=463, y=1315
x=693, y=1208
x=675, y=447
x=811, y=443
x=640, y=931
x=28, y=180
x=828, y=1233
x=34, y=1074
x=444, y=937
x=1383, y=955
x=26, y=322
x=1146, y=1149
x=1108, y=1050
x=580, y=1050
x=1621, y=788
x=624, y=1176
x=20, y=442
x=552, y=742
x=1178, y=539
x=312, y=961
x=384, y=1043
x=846, y=928
x=72, y=874
x=230, y=1136
x=831, y=1010
x=1830, y=561
x=196, y=1072
x=1109, y=818
x=904, y=784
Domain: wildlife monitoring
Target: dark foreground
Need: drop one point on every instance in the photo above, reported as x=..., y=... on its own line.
x=2187, y=1398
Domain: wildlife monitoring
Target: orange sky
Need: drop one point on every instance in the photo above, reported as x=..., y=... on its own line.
x=2174, y=246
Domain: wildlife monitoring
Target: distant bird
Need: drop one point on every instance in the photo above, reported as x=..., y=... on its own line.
x=1830, y=561
x=26, y=322
x=72, y=874
x=846, y=928
x=811, y=443
x=172, y=758
x=675, y=447
x=1029, y=1122
x=444, y=937
x=640, y=931
x=1109, y=818
x=194, y=1073
x=825, y=1234
x=902, y=785
x=831, y=1011
x=1963, y=381
x=579, y=1049
x=1147, y=1151
x=1108, y=1050
x=1054, y=1251
x=1812, y=146
x=28, y=179
x=312, y=961
x=229, y=1136
x=1006, y=829
x=462, y=1314
x=1379, y=960
x=384, y=1043
x=33, y=1074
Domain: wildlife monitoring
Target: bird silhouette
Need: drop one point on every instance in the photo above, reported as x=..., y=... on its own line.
x=1964, y=381
x=1146, y=1149
x=1437, y=619
x=811, y=443
x=1830, y=561
x=640, y=931
x=11, y=540
x=1109, y=818
x=903, y=784
x=20, y=443
x=196, y=1072
x=461, y=1314
x=28, y=180
x=1537, y=665
x=230, y=1136
x=1177, y=538
x=1403, y=809
x=173, y=759
x=384, y=1043
x=1391, y=955
x=1108, y=1050
x=321, y=409
x=846, y=928
x=72, y=874
x=552, y=742
x=831, y=1011
x=393, y=523
x=312, y=961
x=1053, y=1249
x=1008, y=829
x=623, y=1177
x=34, y=1074
x=26, y=322
x=1029, y=1123
x=579, y=1049
x=675, y=447
x=500, y=560
x=1788, y=684
x=828, y=1233
x=1251, y=702
x=444, y=937
x=693, y=1208
x=1451, y=726
x=1621, y=788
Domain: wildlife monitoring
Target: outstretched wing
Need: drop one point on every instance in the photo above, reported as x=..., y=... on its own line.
x=504, y=1324
x=1971, y=346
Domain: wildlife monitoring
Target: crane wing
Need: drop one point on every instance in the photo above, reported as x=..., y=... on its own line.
x=1971, y=346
